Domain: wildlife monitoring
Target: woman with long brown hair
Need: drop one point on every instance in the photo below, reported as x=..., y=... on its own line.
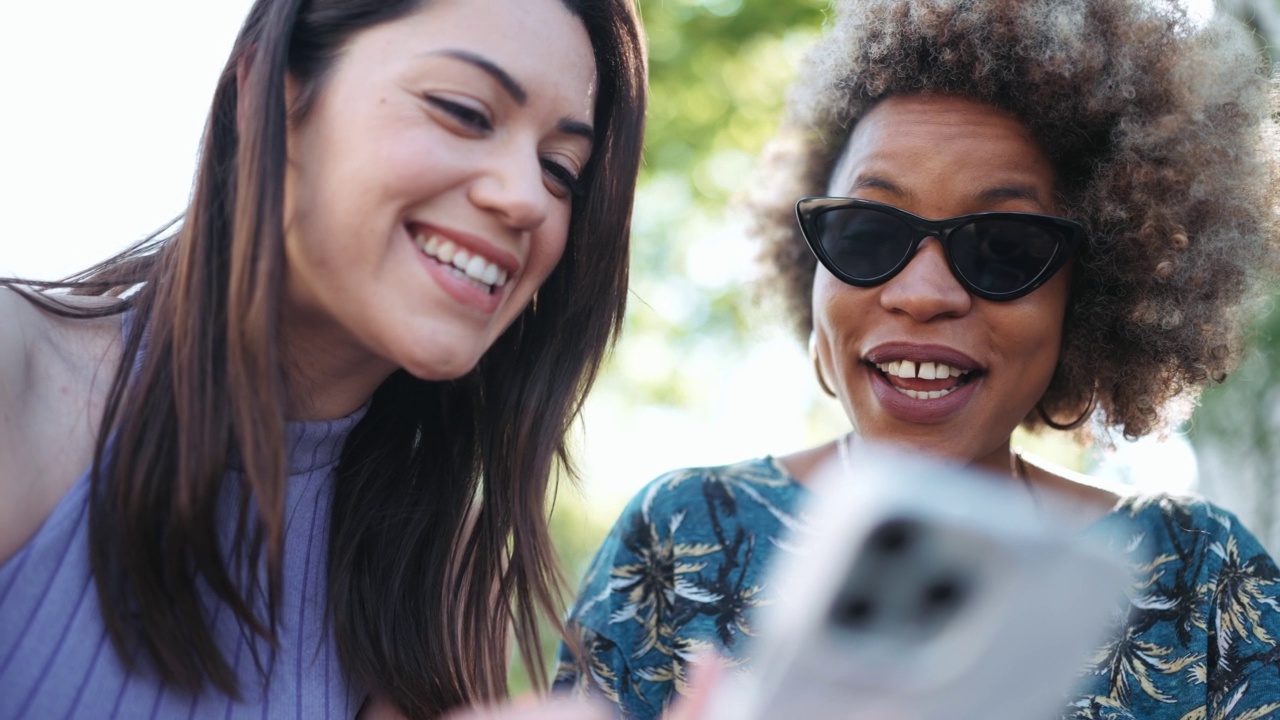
x=292, y=453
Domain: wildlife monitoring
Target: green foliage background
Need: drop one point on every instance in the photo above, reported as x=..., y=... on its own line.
x=719, y=70
x=718, y=75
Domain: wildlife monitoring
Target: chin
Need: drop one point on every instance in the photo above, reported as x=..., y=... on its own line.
x=438, y=363
x=441, y=370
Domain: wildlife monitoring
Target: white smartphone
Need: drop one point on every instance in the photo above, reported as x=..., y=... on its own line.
x=921, y=591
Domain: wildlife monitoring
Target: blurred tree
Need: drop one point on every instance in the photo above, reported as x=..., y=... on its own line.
x=1236, y=429
x=718, y=75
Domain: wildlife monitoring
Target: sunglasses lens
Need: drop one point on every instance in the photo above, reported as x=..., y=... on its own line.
x=1003, y=256
x=864, y=244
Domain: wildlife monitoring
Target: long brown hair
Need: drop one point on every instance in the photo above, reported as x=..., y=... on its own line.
x=438, y=532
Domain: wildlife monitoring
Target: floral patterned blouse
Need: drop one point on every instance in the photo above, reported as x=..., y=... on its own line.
x=684, y=567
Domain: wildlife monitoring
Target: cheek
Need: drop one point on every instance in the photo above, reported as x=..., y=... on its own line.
x=1037, y=342
x=837, y=308
x=824, y=297
x=548, y=248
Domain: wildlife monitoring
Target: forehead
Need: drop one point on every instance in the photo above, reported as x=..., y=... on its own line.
x=543, y=46
x=928, y=143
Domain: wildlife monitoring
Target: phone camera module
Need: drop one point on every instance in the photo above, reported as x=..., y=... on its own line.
x=894, y=537
x=854, y=612
x=941, y=597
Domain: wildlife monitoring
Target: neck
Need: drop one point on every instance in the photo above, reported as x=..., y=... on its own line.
x=328, y=375
x=1001, y=461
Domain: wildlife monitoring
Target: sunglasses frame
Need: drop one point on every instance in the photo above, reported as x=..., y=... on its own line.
x=809, y=209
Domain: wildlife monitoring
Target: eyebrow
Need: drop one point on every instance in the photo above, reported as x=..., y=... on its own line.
x=989, y=195
x=876, y=182
x=1011, y=192
x=508, y=83
x=575, y=127
x=515, y=89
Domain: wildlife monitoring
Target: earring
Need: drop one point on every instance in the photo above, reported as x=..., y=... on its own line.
x=1088, y=412
x=817, y=366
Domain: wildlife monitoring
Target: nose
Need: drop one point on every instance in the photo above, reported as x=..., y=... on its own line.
x=926, y=289
x=511, y=186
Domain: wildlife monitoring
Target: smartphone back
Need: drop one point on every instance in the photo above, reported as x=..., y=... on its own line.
x=922, y=591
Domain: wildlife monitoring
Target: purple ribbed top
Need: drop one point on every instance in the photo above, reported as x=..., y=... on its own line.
x=57, y=662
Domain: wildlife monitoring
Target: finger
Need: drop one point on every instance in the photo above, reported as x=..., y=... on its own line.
x=705, y=673
x=555, y=709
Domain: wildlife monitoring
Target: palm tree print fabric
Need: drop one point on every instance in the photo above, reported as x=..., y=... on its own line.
x=684, y=568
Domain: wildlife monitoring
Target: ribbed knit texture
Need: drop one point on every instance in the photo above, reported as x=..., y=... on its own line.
x=57, y=662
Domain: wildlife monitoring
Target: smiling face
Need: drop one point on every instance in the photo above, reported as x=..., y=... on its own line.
x=918, y=360
x=430, y=186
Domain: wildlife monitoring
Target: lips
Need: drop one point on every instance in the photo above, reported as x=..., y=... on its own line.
x=927, y=380
x=469, y=264
x=922, y=384
x=471, y=270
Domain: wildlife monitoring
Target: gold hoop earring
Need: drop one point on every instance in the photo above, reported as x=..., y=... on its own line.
x=1088, y=412
x=817, y=366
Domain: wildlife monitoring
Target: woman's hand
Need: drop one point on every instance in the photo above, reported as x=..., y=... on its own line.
x=553, y=709
x=704, y=674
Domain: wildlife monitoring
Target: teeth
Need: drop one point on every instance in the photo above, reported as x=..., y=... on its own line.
x=923, y=395
x=446, y=252
x=473, y=266
x=927, y=371
x=924, y=371
x=460, y=259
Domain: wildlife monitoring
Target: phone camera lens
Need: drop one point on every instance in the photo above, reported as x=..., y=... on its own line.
x=943, y=594
x=855, y=612
x=894, y=537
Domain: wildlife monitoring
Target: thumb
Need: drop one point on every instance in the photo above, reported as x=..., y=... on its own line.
x=705, y=674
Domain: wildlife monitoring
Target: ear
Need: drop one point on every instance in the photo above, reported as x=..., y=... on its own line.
x=816, y=357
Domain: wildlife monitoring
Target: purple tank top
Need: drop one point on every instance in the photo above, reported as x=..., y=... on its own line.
x=57, y=662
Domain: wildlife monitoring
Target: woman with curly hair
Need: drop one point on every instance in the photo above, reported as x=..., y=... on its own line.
x=291, y=458
x=1014, y=213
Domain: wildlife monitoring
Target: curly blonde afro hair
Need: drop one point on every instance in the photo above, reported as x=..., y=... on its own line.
x=1158, y=130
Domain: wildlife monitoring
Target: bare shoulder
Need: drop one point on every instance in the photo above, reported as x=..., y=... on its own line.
x=23, y=330
x=36, y=344
x=54, y=377
x=805, y=463
x=1082, y=498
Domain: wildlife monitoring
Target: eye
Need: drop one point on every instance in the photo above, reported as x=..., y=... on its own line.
x=468, y=117
x=566, y=183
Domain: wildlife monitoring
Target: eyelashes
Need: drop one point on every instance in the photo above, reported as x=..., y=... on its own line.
x=568, y=183
x=571, y=183
x=469, y=117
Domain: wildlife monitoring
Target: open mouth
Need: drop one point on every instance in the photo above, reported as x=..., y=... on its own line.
x=470, y=266
x=928, y=380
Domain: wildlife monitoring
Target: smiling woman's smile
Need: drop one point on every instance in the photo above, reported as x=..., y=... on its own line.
x=919, y=358
x=430, y=187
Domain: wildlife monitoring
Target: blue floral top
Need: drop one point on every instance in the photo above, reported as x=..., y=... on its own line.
x=685, y=565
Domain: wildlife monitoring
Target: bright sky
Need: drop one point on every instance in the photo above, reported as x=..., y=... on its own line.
x=104, y=104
